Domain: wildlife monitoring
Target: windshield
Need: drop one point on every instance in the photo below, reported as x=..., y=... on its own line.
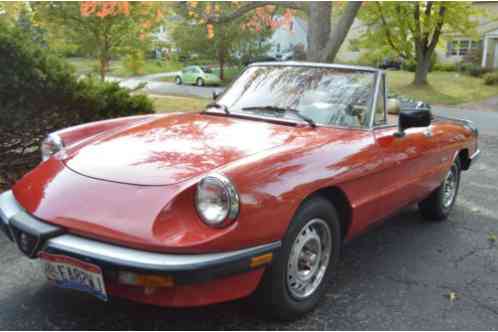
x=206, y=70
x=327, y=96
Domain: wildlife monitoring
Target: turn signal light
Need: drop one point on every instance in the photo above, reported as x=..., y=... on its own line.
x=145, y=280
x=261, y=260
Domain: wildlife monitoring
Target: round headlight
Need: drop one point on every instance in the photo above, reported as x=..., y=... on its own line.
x=50, y=146
x=216, y=200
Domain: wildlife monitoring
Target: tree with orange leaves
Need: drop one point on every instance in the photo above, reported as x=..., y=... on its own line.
x=105, y=29
x=245, y=35
x=328, y=22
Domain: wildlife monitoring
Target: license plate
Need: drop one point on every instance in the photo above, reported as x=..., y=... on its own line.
x=68, y=272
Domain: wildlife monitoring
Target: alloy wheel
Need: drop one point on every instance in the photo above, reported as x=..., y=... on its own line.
x=309, y=258
x=450, y=186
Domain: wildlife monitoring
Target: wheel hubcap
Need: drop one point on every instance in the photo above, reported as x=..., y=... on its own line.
x=449, y=187
x=309, y=259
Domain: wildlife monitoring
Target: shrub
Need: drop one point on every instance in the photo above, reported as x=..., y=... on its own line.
x=372, y=58
x=448, y=67
x=491, y=78
x=409, y=65
x=471, y=69
x=39, y=94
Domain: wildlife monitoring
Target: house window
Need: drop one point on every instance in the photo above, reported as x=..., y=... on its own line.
x=461, y=47
x=464, y=46
x=278, y=47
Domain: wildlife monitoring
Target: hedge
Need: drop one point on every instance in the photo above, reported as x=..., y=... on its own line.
x=39, y=93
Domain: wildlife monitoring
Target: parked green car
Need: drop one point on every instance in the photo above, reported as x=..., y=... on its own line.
x=197, y=75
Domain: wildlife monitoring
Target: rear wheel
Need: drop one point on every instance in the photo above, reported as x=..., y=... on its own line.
x=199, y=82
x=178, y=80
x=438, y=205
x=298, y=277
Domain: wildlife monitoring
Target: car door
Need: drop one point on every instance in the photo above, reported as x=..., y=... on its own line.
x=189, y=75
x=197, y=73
x=409, y=163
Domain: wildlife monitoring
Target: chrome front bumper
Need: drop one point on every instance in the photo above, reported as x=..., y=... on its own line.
x=475, y=156
x=8, y=208
x=15, y=221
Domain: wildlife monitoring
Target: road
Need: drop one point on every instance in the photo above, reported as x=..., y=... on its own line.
x=399, y=276
x=157, y=87
x=485, y=121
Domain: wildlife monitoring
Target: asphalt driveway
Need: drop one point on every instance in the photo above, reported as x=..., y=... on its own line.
x=406, y=274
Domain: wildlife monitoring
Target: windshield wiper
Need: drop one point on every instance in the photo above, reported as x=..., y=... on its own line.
x=282, y=110
x=217, y=105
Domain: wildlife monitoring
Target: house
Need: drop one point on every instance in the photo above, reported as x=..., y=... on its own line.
x=452, y=47
x=486, y=44
x=285, y=38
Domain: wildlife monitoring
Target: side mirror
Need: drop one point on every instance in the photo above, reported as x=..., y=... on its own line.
x=413, y=118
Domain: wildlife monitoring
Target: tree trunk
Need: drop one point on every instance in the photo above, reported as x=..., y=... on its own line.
x=104, y=67
x=324, y=41
x=318, y=29
x=423, y=57
x=221, y=53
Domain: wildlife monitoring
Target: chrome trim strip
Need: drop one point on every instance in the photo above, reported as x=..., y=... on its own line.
x=373, y=104
x=8, y=207
x=475, y=155
x=467, y=122
x=151, y=261
x=314, y=64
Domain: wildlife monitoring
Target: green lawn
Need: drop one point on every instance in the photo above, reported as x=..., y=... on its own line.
x=445, y=88
x=86, y=66
x=231, y=73
x=165, y=104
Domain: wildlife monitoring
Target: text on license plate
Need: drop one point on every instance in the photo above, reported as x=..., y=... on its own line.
x=68, y=272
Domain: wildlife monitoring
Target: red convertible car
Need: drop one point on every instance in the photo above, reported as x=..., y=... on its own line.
x=256, y=194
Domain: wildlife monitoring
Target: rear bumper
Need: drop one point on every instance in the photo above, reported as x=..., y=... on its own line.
x=186, y=269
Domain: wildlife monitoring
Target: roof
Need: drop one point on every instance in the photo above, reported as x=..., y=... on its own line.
x=315, y=64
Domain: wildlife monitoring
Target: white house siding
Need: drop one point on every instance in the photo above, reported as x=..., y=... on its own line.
x=285, y=38
x=490, y=49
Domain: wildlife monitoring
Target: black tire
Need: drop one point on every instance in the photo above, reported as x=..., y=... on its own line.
x=178, y=80
x=199, y=82
x=274, y=293
x=433, y=207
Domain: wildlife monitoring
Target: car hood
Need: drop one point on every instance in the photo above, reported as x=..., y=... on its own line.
x=173, y=148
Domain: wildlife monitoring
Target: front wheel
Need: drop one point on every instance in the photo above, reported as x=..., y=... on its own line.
x=438, y=205
x=298, y=277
